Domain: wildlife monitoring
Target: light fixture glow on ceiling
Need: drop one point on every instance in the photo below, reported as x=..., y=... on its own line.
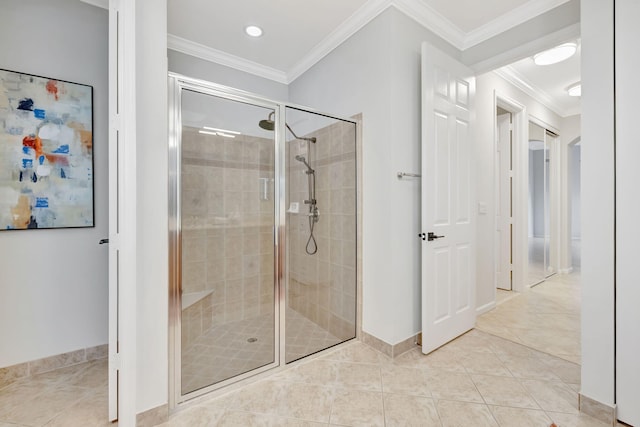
x=555, y=55
x=207, y=132
x=221, y=130
x=253, y=31
x=575, y=89
x=226, y=135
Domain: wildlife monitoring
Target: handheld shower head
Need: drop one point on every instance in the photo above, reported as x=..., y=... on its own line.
x=304, y=160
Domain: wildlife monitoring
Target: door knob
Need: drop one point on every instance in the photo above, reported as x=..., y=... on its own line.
x=103, y=241
x=432, y=236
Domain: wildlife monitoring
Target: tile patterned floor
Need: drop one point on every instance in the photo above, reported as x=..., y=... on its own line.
x=547, y=317
x=479, y=379
x=73, y=396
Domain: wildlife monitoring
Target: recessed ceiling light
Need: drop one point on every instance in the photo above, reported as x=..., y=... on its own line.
x=253, y=31
x=575, y=89
x=555, y=55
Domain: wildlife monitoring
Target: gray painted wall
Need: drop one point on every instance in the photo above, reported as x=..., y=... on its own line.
x=53, y=286
x=377, y=73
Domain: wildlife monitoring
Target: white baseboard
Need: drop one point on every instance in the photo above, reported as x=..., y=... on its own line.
x=485, y=308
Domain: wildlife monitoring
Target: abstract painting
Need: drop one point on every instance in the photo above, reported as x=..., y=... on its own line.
x=46, y=152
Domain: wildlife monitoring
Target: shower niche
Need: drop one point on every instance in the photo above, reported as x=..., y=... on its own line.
x=262, y=235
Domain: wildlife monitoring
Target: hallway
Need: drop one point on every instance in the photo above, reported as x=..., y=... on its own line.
x=546, y=318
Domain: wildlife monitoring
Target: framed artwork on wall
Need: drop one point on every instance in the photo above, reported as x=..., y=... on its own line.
x=46, y=153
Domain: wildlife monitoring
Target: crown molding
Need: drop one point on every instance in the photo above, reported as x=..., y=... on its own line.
x=103, y=4
x=429, y=18
x=213, y=55
x=414, y=9
x=518, y=80
x=353, y=24
x=509, y=20
x=566, y=34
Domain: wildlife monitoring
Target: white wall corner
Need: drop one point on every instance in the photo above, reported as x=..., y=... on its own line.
x=509, y=20
x=104, y=4
x=352, y=25
x=429, y=18
x=201, y=51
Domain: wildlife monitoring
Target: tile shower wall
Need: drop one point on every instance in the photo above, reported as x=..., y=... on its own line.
x=322, y=287
x=227, y=223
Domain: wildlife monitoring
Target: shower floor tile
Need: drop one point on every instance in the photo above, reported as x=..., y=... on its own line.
x=230, y=349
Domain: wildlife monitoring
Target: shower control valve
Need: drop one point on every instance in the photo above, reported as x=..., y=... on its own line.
x=314, y=214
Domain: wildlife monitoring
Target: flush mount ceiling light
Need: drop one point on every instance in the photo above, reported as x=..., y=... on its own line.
x=575, y=89
x=555, y=55
x=253, y=31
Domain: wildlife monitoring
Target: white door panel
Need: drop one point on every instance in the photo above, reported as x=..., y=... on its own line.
x=627, y=208
x=448, y=260
x=503, y=208
x=114, y=72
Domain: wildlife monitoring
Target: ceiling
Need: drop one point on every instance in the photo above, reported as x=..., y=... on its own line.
x=297, y=34
x=548, y=84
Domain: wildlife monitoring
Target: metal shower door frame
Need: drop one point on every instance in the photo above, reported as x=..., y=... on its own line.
x=176, y=84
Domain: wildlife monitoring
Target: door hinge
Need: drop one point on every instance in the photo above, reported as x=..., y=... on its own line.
x=114, y=361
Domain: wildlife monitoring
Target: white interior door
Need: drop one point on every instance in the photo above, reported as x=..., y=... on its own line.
x=627, y=207
x=114, y=235
x=504, y=259
x=448, y=222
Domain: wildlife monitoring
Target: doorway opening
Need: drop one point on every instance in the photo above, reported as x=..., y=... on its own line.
x=536, y=175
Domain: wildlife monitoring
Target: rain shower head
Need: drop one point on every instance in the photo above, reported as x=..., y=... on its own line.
x=270, y=124
x=267, y=124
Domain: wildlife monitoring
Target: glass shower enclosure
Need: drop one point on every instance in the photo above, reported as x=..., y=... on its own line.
x=262, y=234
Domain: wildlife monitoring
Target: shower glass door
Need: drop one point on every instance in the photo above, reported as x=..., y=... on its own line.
x=321, y=232
x=226, y=220
x=262, y=235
